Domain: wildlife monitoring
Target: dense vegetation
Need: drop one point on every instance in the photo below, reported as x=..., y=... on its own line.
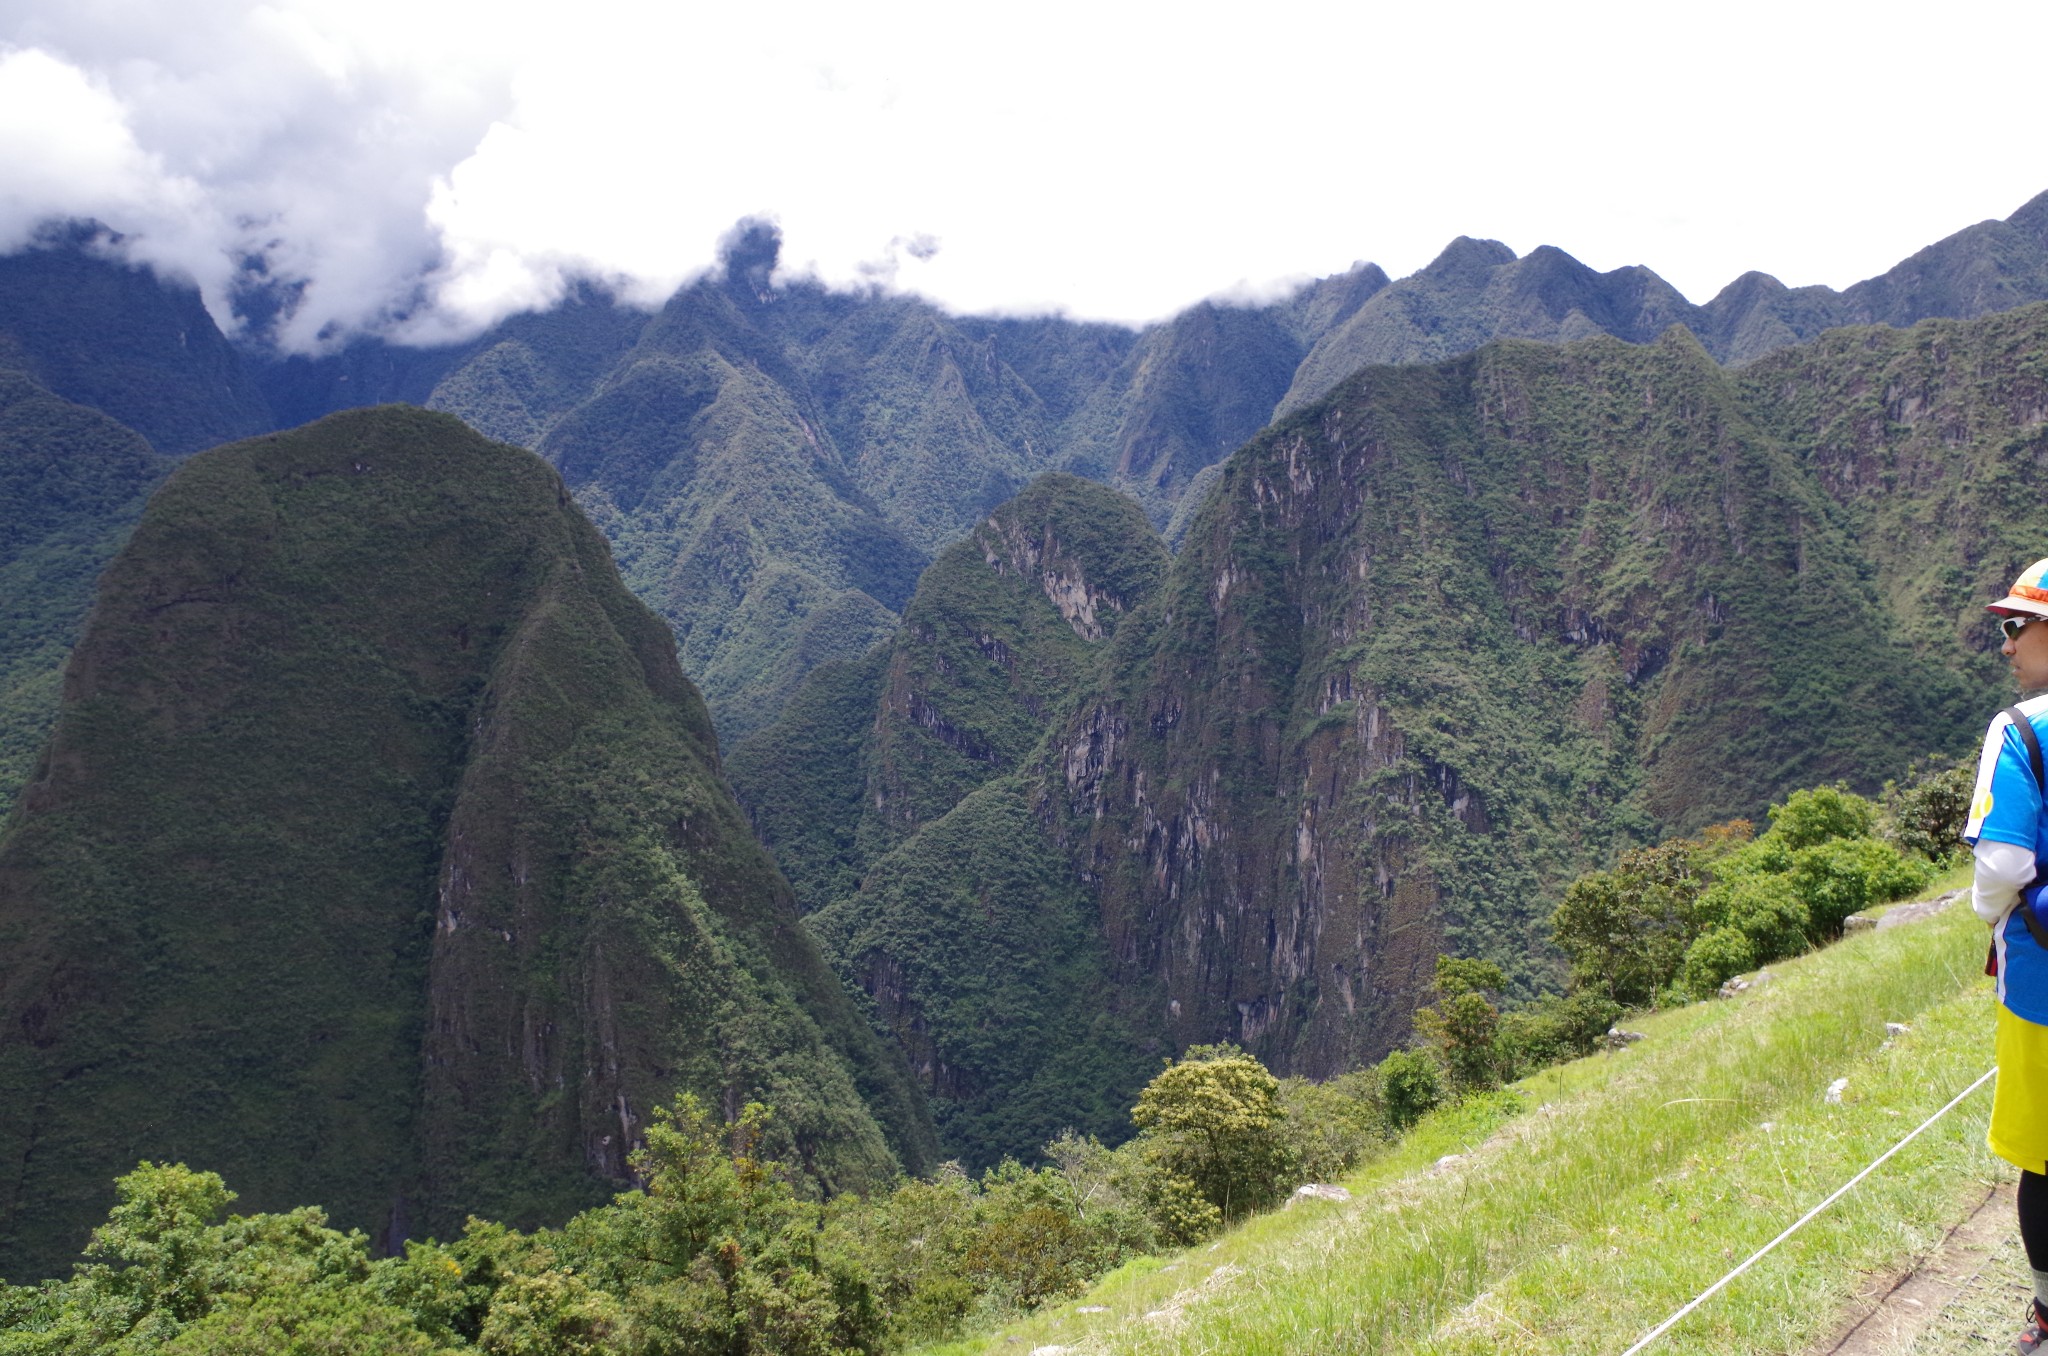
x=720, y=1249
x=716, y=1250
x=775, y=462
x=120, y=340
x=72, y=483
x=380, y=853
x=889, y=791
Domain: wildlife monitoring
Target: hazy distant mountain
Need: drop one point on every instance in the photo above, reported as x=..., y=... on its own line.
x=124, y=342
x=774, y=464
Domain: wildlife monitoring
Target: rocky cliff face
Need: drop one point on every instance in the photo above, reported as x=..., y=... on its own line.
x=380, y=856
x=1442, y=641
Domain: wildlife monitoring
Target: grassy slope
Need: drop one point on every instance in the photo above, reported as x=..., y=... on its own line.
x=1628, y=1183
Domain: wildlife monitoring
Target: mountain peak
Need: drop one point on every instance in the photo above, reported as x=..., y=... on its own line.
x=1467, y=255
x=747, y=254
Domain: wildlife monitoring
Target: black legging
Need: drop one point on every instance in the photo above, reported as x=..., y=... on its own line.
x=2034, y=1218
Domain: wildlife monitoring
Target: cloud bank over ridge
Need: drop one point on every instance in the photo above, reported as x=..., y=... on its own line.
x=420, y=170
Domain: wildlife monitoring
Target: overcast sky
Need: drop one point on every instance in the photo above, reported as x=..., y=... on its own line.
x=453, y=161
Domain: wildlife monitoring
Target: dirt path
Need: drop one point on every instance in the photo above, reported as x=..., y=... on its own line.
x=1968, y=1295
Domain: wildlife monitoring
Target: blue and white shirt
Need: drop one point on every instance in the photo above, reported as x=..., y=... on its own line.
x=2006, y=807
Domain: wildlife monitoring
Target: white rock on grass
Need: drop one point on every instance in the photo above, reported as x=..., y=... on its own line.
x=1318, y=1191
x=1835, y=1091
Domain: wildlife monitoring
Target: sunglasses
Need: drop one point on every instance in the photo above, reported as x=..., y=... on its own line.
x=2010, y=627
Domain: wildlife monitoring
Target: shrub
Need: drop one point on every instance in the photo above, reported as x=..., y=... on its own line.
x=1553, y=1029
x=1765, y=908
x=1716, y=955
x=1626, y=930
x=1926, y=813
x=1837, y=878
x=1214, y=1119
x=1333, y=1125
x=1462, y=1025
x=1409, y=1087
x=1822, y=814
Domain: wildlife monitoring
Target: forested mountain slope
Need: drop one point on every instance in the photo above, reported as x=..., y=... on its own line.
x=72, y=482
x=775, y=462
x=892, y=791
x=381, y=851
x=120, y=340
x=1435, y=646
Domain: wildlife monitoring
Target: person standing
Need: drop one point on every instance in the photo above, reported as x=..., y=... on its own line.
x=2008, y=834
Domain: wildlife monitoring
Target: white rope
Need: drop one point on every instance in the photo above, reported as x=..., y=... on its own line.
x=1707, y=1294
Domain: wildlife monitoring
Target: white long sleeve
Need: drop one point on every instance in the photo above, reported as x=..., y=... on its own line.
x=2003, y=869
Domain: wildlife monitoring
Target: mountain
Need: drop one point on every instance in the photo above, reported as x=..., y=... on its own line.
x=774, y=462
x=1434, y=646
x=1478, y=290
x=72, y=483
x=121, y=340
x=1440, y=643
x=893, y=790
x=381, y=851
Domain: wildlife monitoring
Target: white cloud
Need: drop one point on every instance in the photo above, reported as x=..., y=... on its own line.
x=449, y=160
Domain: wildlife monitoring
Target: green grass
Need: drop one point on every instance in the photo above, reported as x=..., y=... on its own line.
x=1630, y=1183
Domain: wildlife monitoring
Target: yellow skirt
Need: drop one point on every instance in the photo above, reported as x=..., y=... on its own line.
x=2019, y=1100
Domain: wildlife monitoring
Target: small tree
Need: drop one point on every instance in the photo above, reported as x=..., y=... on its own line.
x=1626, y=930
x=1463, y=1024
x=1822, y=814
x=1925, y=811
x=715, y=1254
x=1410, y=1087
x=1214, y=1120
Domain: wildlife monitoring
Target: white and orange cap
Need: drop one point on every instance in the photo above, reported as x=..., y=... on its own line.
x=2028, y=595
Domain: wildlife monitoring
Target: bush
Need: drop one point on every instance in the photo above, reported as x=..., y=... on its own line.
x=1214, y=1119
x=1553, y=1029
x=1626, y=930
x=1716, y=956
x=1463, y=1023
x=1821, y=815
x=1837, y=878
x=1763, y=907
x=1926, y=814
x=1410, y=1087
x=1334, y=1126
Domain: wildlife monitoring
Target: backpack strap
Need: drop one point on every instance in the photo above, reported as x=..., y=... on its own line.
x=2025, y=727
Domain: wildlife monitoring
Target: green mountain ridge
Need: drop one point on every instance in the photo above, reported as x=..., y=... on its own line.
x=856, y=433
x=381, y=851
x=120, y=340
x=892, y=788
x=1431, y=649
x=72, y=482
